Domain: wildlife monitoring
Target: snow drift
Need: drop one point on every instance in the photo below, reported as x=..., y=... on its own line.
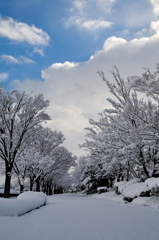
x=24, y=203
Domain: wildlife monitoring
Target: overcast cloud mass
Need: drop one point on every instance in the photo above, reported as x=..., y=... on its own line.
x=93, y=35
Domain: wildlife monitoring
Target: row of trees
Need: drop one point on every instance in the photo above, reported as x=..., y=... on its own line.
x=124, y=142
x=27, y=149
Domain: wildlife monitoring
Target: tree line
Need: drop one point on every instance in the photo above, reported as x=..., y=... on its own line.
x=124, y=142
x=27, y=148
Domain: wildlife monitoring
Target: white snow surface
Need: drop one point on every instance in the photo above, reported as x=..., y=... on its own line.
x=81, y=217
x=24, y=203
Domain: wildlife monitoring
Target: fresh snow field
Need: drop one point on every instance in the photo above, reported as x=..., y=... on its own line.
x=81, y=217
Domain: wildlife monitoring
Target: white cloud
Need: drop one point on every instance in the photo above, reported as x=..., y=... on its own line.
x=106, y=4
x=9, y=59
x=124, y=32
x=65, y=65
x=83, y=16
x=88, y=25
x=155, y=4
x=113, y=42
x=155, y=27
x=83, y=5
x=39, y=51
x=3, y=76
x=132, y=14
x=21, y=32
x=22, y=59
x=79, y=5
x=96, y=15
x=13, y=60
x=144, y=32
x=95, y=24
x=76, y=91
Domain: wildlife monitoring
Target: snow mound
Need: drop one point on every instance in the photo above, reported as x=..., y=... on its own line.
x=24, y=203
x=33, y=195
x=134, y=190
x=124, y=184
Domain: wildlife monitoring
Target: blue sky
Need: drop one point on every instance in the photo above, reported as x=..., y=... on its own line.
x=57, y=46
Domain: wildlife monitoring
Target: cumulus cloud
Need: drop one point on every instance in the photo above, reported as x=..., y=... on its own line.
x=113, y=42
x=155, y=4
x=13, y=60
x=65, y=65
x=21, y=32
x=77, y=93
x=3, y=76
x=155, y=27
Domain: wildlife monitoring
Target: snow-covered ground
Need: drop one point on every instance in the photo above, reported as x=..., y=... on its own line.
x=81, y=217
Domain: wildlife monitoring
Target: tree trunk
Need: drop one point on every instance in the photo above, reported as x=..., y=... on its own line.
x=21, y=188
x=21, y=184
x=37, y=185
x=7, y=181
x=50, y=190
x=31, y=185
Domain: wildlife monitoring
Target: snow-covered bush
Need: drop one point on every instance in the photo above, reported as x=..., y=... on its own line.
x=120, y=186
x=134, y=188
x=24, y=203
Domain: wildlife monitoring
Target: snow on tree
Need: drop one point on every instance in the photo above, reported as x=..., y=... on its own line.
x=36, y=160
x=76, y=173
x=20, y=114
x=78, y=169
x=59, y=171
x=124, y=141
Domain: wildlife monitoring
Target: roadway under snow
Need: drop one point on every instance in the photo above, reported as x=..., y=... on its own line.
x=80, y=217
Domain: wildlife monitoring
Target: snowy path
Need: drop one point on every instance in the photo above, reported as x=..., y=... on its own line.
x=77, y=217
